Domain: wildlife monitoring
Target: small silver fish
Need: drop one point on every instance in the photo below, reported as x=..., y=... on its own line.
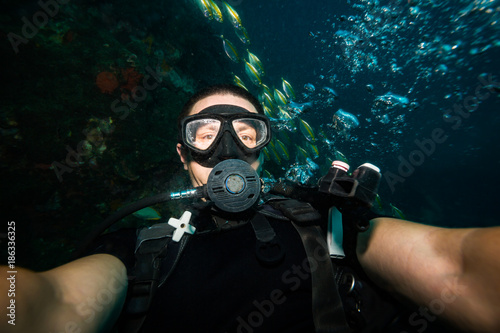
x=230, y=49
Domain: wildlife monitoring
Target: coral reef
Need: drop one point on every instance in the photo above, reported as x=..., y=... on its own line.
x=89, y=111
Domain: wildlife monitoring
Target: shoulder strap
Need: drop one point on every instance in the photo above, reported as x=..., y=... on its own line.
x=328, y=312
x=302, y=213
x=151, y=248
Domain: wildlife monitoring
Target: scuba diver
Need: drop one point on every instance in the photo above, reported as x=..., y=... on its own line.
x=295, y=259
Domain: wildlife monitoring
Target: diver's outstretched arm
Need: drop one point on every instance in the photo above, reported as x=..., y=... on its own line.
x=85, y=295
x=453, y=273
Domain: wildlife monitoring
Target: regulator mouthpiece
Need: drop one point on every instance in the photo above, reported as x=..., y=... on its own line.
x=233, y=186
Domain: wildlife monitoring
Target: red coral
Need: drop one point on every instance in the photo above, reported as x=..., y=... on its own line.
x=107, y=82
x=131, y=78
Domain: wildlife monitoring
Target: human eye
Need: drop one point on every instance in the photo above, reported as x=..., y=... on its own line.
x=205, y=135
x=246, y=132
x=248, y=137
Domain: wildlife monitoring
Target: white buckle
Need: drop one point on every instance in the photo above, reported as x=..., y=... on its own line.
x=181, y=226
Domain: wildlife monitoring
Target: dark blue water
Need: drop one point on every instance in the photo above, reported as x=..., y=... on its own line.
x=440, y=56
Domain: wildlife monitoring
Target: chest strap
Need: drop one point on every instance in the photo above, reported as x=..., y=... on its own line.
x=268, y=248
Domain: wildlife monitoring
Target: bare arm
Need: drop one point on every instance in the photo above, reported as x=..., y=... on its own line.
x=85, y=295
x=454, y=273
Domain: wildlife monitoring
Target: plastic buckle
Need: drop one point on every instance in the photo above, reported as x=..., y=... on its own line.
x=182, y=226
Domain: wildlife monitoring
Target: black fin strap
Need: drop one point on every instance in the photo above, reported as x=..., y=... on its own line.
x=328, y=312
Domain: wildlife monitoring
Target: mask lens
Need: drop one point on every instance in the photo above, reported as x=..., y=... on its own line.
x=251, y=132
x=201, y=133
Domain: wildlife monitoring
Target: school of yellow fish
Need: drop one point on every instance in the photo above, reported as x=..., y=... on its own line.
x=274, y=101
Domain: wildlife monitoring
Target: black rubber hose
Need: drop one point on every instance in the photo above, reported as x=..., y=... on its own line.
x=117, y=216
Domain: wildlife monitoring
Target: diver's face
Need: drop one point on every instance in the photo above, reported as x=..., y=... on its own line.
x=198, y=173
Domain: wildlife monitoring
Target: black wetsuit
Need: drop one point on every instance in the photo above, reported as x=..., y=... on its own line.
x=220, y=285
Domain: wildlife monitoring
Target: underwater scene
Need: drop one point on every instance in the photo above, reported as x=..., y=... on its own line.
x=92, y=89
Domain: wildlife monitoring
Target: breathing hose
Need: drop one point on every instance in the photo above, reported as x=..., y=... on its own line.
x=233, y=185
x=130, y=209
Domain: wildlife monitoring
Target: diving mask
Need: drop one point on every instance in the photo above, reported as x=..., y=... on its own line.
x=221, y=132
